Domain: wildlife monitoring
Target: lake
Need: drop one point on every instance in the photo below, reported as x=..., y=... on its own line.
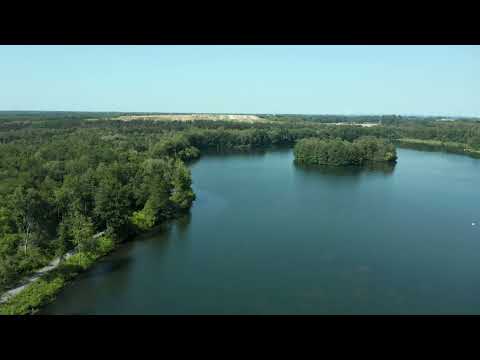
x=266, y=236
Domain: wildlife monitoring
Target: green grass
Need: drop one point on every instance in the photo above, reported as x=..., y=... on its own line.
x=44, y=290
x=39, y=293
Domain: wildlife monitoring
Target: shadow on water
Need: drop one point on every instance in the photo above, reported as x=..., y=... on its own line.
x=109, y=266
x=183, y=224
x=164, y=229
x=247, y=152
x=214, y=153
x=119, y=260
x=328, y=170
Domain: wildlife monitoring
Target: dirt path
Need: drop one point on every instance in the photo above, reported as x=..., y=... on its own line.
x=39, y=273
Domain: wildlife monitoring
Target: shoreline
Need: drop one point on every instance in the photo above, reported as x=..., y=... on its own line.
x=59, y=274
x=25, y=282
x=37, y=274
x=41, y=288
x=455, y=147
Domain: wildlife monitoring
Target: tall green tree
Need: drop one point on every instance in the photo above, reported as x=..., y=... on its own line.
x=26, y=207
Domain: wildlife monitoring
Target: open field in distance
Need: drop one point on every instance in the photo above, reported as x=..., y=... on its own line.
x=192, y=117
x=357, y=124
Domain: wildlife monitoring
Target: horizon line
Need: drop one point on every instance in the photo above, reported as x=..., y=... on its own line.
x=250, y=113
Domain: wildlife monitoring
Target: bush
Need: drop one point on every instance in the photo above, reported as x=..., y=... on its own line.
x=14, y=267
x=80, y=260
x=43, y=290
x=8, y=273
x=189, y=153
x=144, y=219
x=105, y=245
x=32, y=261
x=37, y=294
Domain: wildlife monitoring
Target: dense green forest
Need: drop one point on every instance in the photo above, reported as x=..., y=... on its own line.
x=58, y=191
x=339, y=152
x=67, y=176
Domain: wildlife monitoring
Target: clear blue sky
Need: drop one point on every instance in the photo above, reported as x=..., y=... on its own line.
x=423, y=80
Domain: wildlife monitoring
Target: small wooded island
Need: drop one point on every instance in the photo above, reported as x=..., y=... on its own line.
x=338, y=152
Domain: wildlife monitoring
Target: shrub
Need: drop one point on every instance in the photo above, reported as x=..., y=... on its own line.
x=144, y=219
x=105, y=245
x=81, y=260
x=37, y=294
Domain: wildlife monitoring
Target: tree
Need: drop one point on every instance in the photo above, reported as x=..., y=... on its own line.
x=144, y=219
x=82, y=232
x=111, y=201
x=63, y=241
x=182, y=194
x=26, y=205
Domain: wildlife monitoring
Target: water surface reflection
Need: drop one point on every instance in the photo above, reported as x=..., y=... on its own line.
x=384, y=168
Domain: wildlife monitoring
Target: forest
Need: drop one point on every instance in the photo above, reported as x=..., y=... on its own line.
x=339, y=152
x=65, y=177
x=57, y=192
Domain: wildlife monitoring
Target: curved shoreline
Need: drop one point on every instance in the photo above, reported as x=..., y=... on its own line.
x=55, y=276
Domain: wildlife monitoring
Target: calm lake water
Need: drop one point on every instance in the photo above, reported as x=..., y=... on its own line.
x=268, y=237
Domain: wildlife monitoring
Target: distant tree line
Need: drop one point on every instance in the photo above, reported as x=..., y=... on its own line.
x=64, y=176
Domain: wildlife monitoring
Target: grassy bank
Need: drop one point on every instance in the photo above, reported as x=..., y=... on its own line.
x=44, y=290
x=448, y=145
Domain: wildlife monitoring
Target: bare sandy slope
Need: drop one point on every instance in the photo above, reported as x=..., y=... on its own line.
x=192, y=117
x=356, y=124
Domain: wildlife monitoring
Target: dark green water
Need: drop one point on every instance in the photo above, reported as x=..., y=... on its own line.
x=268, y=237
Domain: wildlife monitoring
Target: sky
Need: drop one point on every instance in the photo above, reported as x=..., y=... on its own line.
x=405, y=80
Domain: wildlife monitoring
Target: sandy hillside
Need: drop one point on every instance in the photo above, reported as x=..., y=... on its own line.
x=356, y=124
x=191, y=117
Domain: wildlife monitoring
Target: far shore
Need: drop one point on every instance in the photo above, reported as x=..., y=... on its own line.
x=436, y=143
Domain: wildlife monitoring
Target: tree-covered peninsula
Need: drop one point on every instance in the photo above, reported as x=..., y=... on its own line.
x=338, y=152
